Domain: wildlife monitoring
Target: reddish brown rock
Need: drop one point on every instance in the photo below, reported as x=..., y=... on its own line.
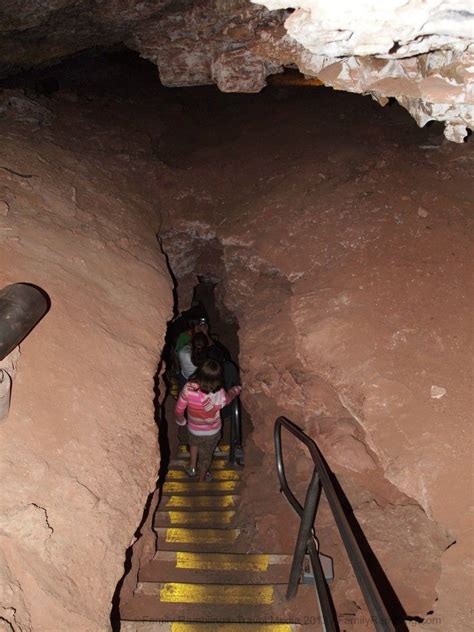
x=78, y=451
x=351, y=306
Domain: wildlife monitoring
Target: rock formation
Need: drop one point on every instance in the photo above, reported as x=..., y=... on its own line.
x=339, y=235
x=347, y=282
x=78, y=451
x=418, y=52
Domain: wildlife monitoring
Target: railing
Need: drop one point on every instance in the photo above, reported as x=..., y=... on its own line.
x=321, y=481
x=236, y=453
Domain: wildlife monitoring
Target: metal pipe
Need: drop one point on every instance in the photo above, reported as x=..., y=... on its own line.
x=22, y=306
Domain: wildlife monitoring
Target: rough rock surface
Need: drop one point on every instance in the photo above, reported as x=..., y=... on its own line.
x=343, y=250
x=78, y=451
x=417, y=52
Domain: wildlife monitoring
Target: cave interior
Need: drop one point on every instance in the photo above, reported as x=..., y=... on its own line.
x=329, y=239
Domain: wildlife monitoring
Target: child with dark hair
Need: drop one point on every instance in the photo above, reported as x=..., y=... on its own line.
x=191, y=356
x=204, y=397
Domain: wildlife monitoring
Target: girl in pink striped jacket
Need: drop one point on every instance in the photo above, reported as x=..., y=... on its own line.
x=204, y=397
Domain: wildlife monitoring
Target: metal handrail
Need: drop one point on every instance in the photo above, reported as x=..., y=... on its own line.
x=321, y=480
x=235, y=440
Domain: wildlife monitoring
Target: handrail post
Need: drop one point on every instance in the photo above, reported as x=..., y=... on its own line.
x=235, y=439
x=232, y=434
x=304, y=533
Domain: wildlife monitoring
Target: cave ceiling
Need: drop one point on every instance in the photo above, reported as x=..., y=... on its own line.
x=419, y=52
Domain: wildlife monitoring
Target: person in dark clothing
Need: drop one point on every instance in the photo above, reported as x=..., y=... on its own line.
x=191, y=356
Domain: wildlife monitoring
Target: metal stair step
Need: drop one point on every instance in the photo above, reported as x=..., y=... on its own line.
x=219, y=604
x=179, y=626
x=217, y=464
x=214, y=568
x=221, y=519
x=222, y=451
x=199, y=503
x=177, y=538
x=217, y=475
x=191, y=487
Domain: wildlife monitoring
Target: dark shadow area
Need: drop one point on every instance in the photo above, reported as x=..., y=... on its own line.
x=115, y=611
x=163, y=442
x=162, y=424
x=387, y=593
x=312, y=490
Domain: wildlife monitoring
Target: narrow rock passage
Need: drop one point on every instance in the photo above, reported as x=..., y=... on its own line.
x=203, y=577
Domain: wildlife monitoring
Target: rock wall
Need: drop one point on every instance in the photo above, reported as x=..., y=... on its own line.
x=346, y=263
x=78, y=452
x=419, y=52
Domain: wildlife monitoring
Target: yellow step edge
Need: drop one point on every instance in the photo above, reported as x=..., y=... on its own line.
x=218, y=475
x=199, y=536
x=197, y=502
x=217, y=486
x=195, y=517
x=174, y=592
x=220, y=448
x=232, y=627
x=180, y=626
x=217, y=464
x=222, y=561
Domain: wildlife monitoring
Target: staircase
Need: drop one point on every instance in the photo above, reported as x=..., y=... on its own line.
x=203, y=578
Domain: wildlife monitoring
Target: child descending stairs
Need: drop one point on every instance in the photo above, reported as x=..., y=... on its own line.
x=202, y=578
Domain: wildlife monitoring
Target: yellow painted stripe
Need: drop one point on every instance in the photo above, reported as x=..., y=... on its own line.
x=220, y=448
x=195, y=517
x=219, y=475
x=222, y=561
x=197, y=502
x=217, y=464
x=202, y=536
x=212, y=593
x=218, y=486
x=231, y=627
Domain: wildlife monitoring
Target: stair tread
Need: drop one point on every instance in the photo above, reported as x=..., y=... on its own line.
x=257, y=560
x=202, y=539
x=160, y=572
x=190, y=487
x=151, y=607
x=179, y=626
x=218, y=463
x=211, y=568
x=218, y=518
x=176, y=474
x=222, y=447
x=214, y=541
x=199, y=502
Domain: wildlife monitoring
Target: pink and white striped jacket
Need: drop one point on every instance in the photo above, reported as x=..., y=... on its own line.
x=203, y=408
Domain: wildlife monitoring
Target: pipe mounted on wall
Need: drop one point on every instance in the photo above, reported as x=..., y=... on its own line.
x=22, y=306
